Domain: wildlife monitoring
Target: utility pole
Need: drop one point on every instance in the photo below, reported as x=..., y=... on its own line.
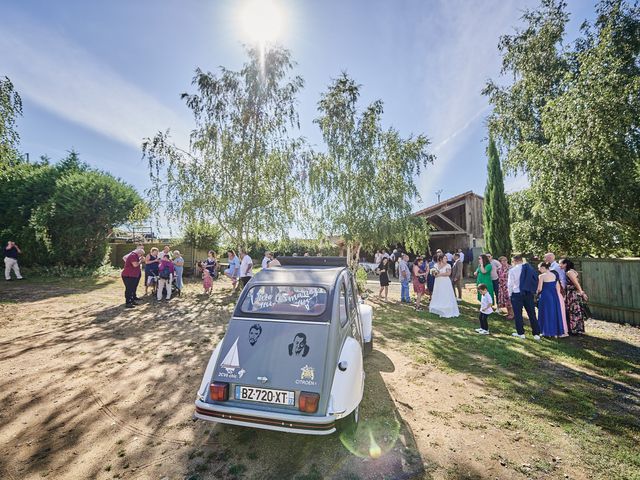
x=438, y=192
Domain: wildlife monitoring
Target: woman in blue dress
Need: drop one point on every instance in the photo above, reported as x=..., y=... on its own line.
x=549, y=310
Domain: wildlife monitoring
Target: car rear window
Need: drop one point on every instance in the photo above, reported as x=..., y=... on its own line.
x=285, y=300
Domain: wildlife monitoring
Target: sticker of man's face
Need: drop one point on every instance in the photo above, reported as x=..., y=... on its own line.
x=254, y=332
x=299, y=346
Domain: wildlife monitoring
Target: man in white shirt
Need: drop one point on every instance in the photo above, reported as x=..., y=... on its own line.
x=449, y=256
x=522, y=299
x=246, y=268
x=461, y=255
x=268, y=256
x=550, y=258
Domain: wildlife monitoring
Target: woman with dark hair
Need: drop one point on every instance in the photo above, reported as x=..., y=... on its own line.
x=483, y=274
x=211, y=264
x=575, y=299
x=383, y=272
x=419, y=280
x=549, y=311
x=503, y=291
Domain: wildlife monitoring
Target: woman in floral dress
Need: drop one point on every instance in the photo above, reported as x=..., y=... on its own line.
x=503, y=292
x=575, y=297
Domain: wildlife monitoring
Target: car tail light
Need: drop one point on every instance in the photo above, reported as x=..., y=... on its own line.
x=219, y=391
x=308, y=402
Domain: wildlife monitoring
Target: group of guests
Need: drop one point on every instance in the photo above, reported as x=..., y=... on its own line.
x=437, y=278
x=160, y=271
x=561, y=301
x=239, y=271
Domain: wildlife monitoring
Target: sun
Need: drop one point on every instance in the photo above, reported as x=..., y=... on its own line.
x=261, y=21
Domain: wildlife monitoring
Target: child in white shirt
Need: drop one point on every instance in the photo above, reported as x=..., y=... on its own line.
x=485, y=309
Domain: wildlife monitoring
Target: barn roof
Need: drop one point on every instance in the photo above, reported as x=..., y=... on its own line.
x=443, y=204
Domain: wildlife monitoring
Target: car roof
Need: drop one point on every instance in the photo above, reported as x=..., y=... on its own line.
x=299, y=274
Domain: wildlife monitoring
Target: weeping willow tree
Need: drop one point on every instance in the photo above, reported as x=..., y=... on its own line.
x=243, y=168
x=363, y=185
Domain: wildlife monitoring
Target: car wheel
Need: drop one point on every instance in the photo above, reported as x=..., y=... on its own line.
x=349, y=424
x=368, y=346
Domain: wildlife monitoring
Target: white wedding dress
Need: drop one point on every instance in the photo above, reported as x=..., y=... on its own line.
x=443, y=300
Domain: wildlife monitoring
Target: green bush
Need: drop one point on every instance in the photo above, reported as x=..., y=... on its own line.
x=62, y=214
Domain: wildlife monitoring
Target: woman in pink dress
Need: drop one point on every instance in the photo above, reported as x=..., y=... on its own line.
x=503, y=292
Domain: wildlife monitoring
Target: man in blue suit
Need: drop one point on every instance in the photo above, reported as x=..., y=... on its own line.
x=522, y=285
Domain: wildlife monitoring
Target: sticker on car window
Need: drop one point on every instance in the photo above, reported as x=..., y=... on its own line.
x=285, y=299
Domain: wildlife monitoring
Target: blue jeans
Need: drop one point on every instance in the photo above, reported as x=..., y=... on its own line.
x=179, y=271
x=404, y=291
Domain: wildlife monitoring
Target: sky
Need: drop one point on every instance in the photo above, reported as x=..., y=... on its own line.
x=98, y=77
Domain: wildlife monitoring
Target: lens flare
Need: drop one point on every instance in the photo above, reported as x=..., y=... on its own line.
x=374, y=449
x=373, y=439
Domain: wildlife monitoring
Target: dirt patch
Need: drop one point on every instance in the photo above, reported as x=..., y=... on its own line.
x=90, y=389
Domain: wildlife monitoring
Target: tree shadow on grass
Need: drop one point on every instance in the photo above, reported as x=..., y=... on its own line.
x=579, y=383
x=107, y=391
x=42, y=288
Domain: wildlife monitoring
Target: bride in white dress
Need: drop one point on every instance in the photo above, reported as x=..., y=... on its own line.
x=443, y=299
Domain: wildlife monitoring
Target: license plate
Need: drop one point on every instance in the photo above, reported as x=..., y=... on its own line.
x=265, y=395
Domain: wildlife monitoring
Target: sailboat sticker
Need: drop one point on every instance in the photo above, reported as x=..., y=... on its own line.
x=231, y=361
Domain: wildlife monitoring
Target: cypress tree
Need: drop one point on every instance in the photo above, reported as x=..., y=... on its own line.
x=495, y=212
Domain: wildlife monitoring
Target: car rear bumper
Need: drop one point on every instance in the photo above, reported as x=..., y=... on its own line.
x=265, y=420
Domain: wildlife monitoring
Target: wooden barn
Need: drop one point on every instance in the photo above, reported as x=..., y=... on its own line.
x=456, y=222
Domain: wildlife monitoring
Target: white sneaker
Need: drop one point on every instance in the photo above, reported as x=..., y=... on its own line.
x=484, y=332
x=516, y=334
x=478, y=330
x=536, y=337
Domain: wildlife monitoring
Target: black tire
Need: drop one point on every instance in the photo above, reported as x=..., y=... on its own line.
x=349, y=424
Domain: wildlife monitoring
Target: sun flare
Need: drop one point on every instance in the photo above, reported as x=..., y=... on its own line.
x=261, y=20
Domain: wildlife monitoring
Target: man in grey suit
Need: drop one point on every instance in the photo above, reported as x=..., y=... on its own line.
x=456, y=275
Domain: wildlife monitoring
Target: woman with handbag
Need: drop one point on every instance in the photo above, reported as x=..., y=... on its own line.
x=419, y=281
x=575, y=299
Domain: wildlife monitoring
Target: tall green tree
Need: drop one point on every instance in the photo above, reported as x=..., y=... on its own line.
x=570, y=120
x=10, y=110
x=243, y=168
x=365, y=180
x=495, y=211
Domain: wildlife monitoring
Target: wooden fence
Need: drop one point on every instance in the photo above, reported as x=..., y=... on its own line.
x=191, y=255
x=613, y=286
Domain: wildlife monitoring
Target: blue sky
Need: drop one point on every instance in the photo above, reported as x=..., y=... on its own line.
x=100, y=76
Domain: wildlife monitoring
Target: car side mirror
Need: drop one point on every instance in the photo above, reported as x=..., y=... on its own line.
x=342, y=366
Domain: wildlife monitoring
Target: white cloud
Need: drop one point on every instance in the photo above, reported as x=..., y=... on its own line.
x=460, y=56
x=65, y=79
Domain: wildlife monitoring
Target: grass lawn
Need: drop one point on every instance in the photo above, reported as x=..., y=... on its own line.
x=586, y=389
